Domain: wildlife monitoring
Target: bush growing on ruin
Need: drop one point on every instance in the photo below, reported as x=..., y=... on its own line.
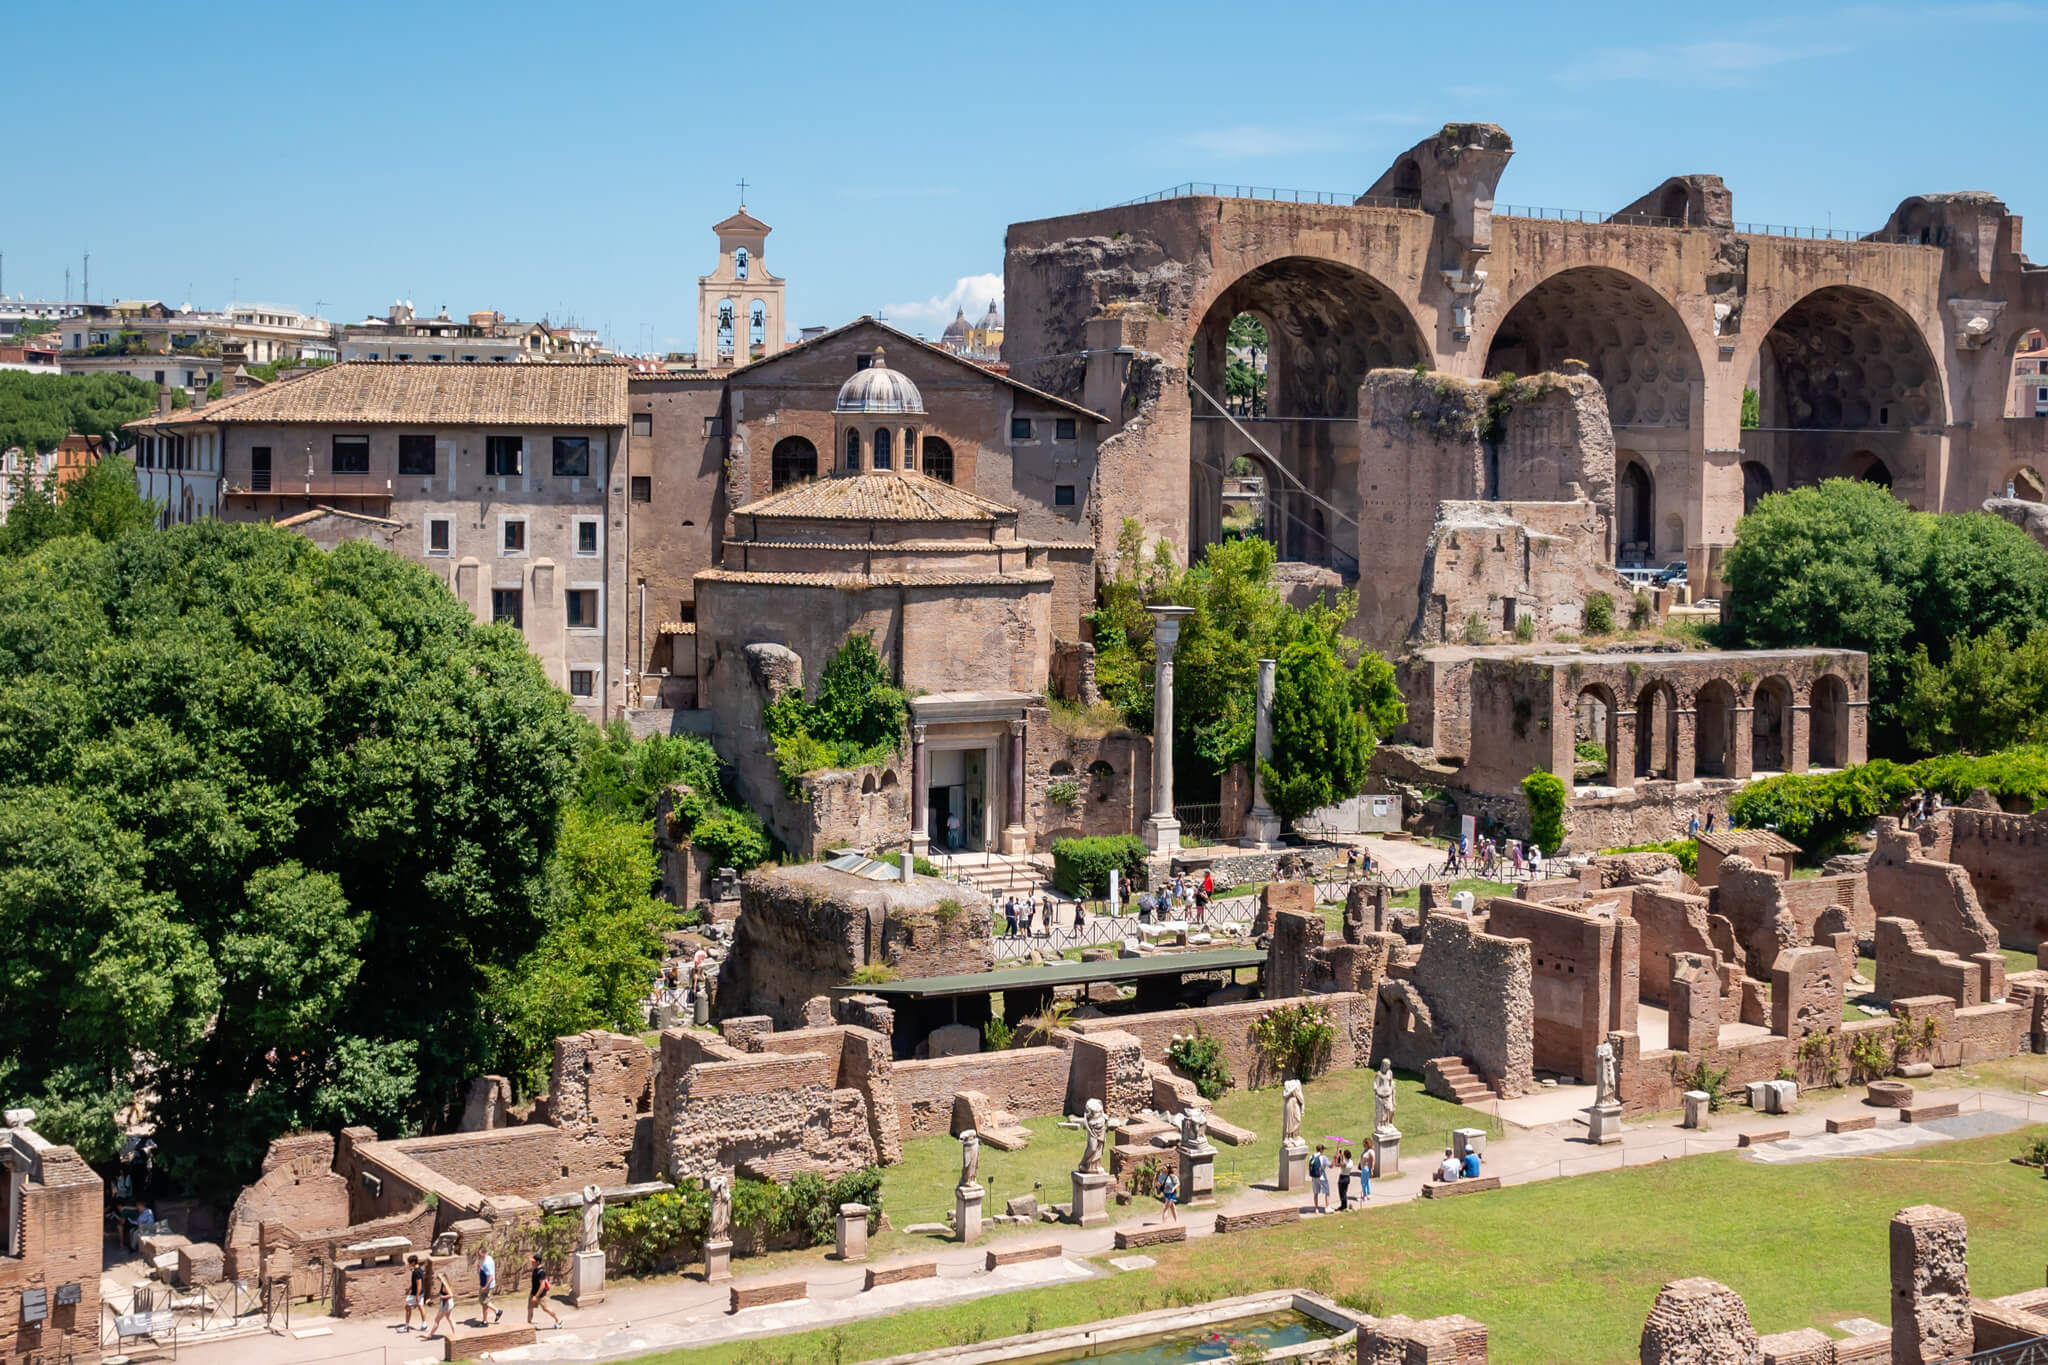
x=1295, y=1040
x=1081, y=865
x=1199, y=1057
x=1599, y=613
x=1546, y=795
x=858, y=718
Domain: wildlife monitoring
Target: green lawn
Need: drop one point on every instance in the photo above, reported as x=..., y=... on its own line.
x=1561, y=1270
x=1481, y=889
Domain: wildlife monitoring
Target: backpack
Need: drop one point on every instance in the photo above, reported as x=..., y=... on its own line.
x=1316, y=1165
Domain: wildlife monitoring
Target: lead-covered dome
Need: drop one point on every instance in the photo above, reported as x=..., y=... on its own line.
x=879, y=389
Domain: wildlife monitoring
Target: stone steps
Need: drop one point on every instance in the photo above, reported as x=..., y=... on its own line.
x=1449, y=1078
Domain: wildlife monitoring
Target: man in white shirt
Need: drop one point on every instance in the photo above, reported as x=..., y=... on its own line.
x=1448, y=1172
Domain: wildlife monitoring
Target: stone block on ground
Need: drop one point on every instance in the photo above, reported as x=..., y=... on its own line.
x=468, y=1343
x=1159, y=1235
x=1888, y=1094
x=759, y=1295
x=1022, y=1206
x=1257, y=1218
x=897, y=1274
x=199, y=1263
x=1920, y=1113
x=1017, y=1255
x=1758, y=1139
x=1445, y=1189
x=1855, y=1124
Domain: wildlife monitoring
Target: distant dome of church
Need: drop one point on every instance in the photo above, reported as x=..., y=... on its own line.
x=879, y=389
x=957, y=329
x=993, y=318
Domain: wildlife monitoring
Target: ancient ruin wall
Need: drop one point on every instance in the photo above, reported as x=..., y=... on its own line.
x=1231, y=1026
x=1029, y=1082
x=1480, y=992
x=2007, y=859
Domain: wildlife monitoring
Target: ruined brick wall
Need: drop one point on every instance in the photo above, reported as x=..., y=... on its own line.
x=1231, y=1026
x=1669, y=922
x=1699, y=1322
x=527, y=1161
x=1108, y=1064
x=1937, y=896
x=1930, y=1265
x=1480, y=991
x=860, y=1060
x=2007, y=859
x=299, y=1187
x=1579, y=989
x=767, y=1117
x=1114, y=772
x=1498, y=563
x=1907, y=966
x=804, y=930
x=1806, y=993
x=1771, y=914
x=60, y=1233
x=599, y=1096
x=1029, y=1082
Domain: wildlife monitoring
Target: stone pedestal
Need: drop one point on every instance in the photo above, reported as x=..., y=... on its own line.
x=851, y=1237
x=1294, y=1165
x=1781, y=1097
x=718, y=1260
x=967, y=1200
x=700, y=1005
x=586, y=1278
x=1465, y=1140
x=1261, y=831
x=1386, y=1153
x=1697, y=1103
x=1197, y=1175
x=1603, y=1124
x=1091, y=1198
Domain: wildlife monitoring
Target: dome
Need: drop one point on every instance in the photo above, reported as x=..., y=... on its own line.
x=993, y=320
x=879, y=389
x=957, y=329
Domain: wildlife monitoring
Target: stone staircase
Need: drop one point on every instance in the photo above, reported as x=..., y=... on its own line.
x=998, y=875
x=1448, y=1078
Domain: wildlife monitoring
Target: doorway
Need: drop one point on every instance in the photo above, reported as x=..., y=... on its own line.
x=957, y=799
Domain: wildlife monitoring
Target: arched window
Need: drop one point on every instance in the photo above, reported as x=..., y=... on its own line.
x=726, y=315
x=794, y=460
x=757, y=324
x=852, y=451
x=739, y=264
x=1756, y=482
x=882, y=460
x=938, y=459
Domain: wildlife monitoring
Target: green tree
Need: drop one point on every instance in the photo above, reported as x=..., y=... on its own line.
x=1988, y=694
x=270, y=821
x=37, y=411
x=1752, y=410
x=859, y=716
x=1322, y=741
x=1546, y=795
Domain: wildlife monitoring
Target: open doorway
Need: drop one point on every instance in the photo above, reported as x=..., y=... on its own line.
x=958, y=800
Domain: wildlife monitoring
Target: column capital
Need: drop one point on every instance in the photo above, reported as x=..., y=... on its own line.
x=1017, y=728
x=917, y=734
x=1166, y=626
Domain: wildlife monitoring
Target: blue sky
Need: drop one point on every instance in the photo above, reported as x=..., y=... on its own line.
x=566, y=159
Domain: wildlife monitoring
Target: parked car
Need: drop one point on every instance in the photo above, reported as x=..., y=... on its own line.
x=1671, y=575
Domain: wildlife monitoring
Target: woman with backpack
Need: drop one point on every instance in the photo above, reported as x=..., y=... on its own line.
x=1169, y=1196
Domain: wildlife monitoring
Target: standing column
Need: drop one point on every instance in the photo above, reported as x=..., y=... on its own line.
x=1263, y=828
x=1162, y=830
x=920, y=794
x=1014, y=837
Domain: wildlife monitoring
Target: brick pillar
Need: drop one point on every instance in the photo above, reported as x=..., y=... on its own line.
x=920, y=794
x=1014, y=838
x=1798, y=737
x=1742, y=762
x=1686, y=766
x=1624, y=757
x=1930, y=1286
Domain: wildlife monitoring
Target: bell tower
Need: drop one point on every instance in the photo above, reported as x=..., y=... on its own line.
x=739, y=304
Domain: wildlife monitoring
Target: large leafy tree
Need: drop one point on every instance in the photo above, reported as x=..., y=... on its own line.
x=37, y=411
x=103, y=503
x=1848, y=565
x=1322, y=741
x=271, y=819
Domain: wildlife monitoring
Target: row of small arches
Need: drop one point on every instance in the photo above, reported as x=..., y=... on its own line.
x=795, y=459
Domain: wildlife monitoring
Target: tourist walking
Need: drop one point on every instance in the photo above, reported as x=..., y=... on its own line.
x=415, y=1291
x=1319, y=1179
x=444, y=1299
x=537, y=1295
x=1368, y=1164
x=1344, y=1181
x=1169, y=1196
x=487, y=1285
x=1010, y=917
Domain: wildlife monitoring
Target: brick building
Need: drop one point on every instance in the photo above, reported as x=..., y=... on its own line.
x=49, y=1249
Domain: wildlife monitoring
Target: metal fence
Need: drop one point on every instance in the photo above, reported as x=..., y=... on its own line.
x=1202, y=820
x=2031, y=1352
x=1194, y=188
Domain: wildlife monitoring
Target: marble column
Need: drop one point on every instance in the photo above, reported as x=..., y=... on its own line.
x=1262, y=828
x=1014, y=837
x=920, y=794
x=1162, y=830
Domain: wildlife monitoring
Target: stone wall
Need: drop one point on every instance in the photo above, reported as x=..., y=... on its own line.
x=1937, y=897
x=1771, y=914
x=767, y=1117
x=1668, y=922
x=1114, y=772
x=599, y=1098
x=1231, y=1025
x=1585, y=978
x=1491, y=565
x=298, y=1186
x=804, y=930
x=2007, y=859
x=60, y=1233
x=1029, y=1082
x=1480, y=991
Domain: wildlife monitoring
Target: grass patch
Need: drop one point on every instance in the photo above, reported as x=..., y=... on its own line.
x=1578, y=1289
x=1480, y=888
x=2018, y=961
x=1340, y=1105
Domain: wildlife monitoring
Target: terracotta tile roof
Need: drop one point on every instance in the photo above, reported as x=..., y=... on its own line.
x=895, y=496
x=316, y=513
x=956, y=546
x=676, y=628
x=1023, y=577
x=1730, y=840
x=940, y=351
x=430, y=394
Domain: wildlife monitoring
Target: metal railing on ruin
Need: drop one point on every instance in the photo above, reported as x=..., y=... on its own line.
x=2030, y=1352
x=1343, y=198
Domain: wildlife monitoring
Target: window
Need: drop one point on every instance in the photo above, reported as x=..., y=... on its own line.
x=739, y=264
x=882, y=460
x=1063, y=495
x=582, y=608
x=714, y=426
x=853, y=451
x=512, y=538
x=572, y=457
x=502, y=455
x=159, y=373
x=643, y=424
x=643, y=488
x=1063, y=428
x=686, y=612
x=582, y=682
x=508, y=606
x=1020, y=428
x=938, y=459
x=351, y=454
x=861, y=362
x=437, y=357
x=586, y=536
x=440, y=536
x=416, y=455
x=259, y=469
x=469, y=360
x=403, y=355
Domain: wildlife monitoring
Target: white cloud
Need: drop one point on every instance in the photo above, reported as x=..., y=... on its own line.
x=970, y=292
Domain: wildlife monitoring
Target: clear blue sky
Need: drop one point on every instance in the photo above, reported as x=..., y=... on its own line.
x=567, y=159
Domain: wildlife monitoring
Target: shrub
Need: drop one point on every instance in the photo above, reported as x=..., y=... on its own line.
x=1525, y=628
x=996, y=1035
x=665, y=1229
x=872, y=974
x=1476, y=632
x=1599, y=613
x=1295, y=1039
x=1063, y=791
x=1199, y=1057
x=1641, y=611
x=1546, y=796
x=1081, y=866
x=1822, y=812
x=1704, y=1077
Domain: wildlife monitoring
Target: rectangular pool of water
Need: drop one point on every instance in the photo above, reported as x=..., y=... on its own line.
x=1214, y=1341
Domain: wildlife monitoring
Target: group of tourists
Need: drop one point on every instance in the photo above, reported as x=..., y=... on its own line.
x=1923, y=804
x=1498, y=859
x=1693, y=827
x=1323, y=1173
x=1034, y=916
x=428, y=1284
x=1454, y=1167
